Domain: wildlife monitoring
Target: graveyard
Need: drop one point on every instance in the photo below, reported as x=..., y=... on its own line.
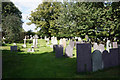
x=43, y=63
x=65, y=39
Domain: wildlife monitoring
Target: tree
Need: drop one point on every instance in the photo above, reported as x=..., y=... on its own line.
x=11, y=22
x=44, y=17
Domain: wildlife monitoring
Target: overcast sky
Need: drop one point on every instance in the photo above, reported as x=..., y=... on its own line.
x=26, y=6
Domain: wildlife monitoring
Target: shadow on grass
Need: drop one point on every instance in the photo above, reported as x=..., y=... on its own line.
x=46, y=65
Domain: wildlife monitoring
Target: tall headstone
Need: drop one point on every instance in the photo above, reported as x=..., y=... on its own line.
x=101, y=47
x=59, y=51
x=114, y=56
x=69, y=51
x=108, y=45
x=115, y=45
x=106, y=59
x=84, y=57
x=97, y=60
x=119, y=54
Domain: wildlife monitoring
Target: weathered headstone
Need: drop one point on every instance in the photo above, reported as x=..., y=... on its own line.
x=119, y=54
x=69, y=51
x=95, y=46
x=115, y=45
x=96, y=60
x=13, y=48
x=101, y=47
x=106, y=59
x=114, y=56
x=64, y=42
x=108, y=45
x=84, y=57
x=71, y=43
x=54, y=47
x=59, y=51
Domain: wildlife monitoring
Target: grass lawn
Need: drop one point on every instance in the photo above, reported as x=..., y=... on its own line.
x=43, y=64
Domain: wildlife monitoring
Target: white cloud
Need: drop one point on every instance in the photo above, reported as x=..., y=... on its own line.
x=26, y=6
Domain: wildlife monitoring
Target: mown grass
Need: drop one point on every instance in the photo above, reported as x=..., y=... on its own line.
x=43, y=64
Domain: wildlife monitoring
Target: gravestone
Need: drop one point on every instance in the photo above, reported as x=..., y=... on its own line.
x=115, y=45
x=60, y=42
x=24, y=42
x=95, y=46
x=119, y=54
x=69, y=51
x=54, y=46
x=106, y=59
x=84, y=57
x=59, y=51
x=13, y=48
x=114, y=56
x=101, y=47
x=71, y=43
x=64, y=42
x=97, y=60
x=108, y=45
x=55, y=41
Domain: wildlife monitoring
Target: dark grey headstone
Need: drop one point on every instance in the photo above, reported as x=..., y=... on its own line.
x=54, y=46
x=97, y=60
x=119, y=55
x=13, y=48
x=71, y=44
x=106, y=59
x=59, y=51
x=114, y=56
x=69, y=51
x=84, y=57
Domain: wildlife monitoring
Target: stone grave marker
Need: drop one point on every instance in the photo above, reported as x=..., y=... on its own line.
x=60, y=42
x=108, y=45
x=101, y=47
x=106, y=59
x=119, y=54
x=96, y=60
x=64, y=42
x=13, y=48
x=114, y=56
x=71, y=43
x=69, y=51
x=115, y=45
x=59, y=51
x=24, y=42
x=95, y=46
x=84, y=57
x=54, y=46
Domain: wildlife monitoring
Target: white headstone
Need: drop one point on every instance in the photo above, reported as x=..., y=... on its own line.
x=108, y=45
x=101, y=47
x=95, y=46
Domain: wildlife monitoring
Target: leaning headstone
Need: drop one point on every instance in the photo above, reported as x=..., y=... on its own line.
x=115, y=45
x=69, y=51
x=114, y=56
x=71, y=43
x=84, y=57
x=108, y=45
x=96, y=60
x=106, y=59
x=101, y=47
x=95, y=46
x=13, y=48
x=59, y=51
